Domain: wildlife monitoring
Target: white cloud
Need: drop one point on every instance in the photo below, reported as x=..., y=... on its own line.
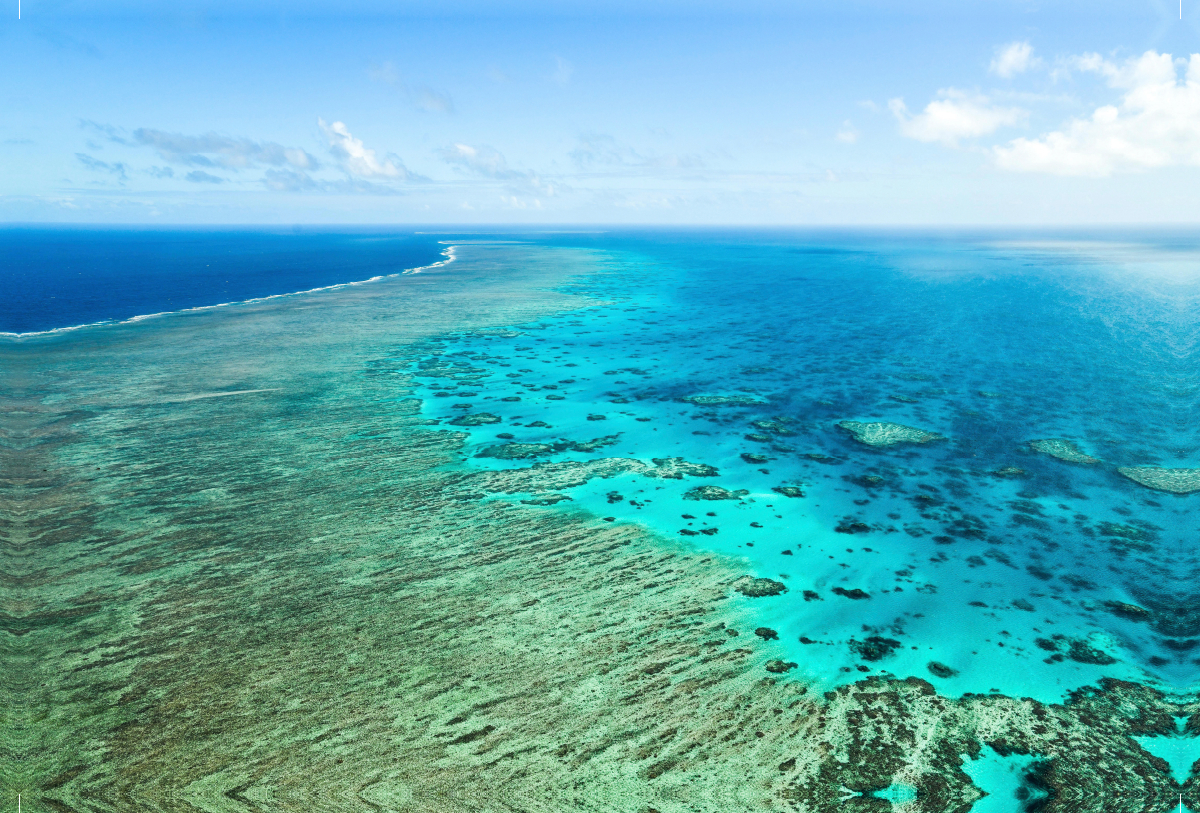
x=356, y=159
x=1014, y=58
x=956, y=115
x=848, y=134
x=1155, y=123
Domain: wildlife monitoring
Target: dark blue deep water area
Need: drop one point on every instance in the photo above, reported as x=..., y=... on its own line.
x=52, y=278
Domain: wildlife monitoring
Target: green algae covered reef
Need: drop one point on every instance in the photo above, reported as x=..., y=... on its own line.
x=297, y=597
x=882, y=433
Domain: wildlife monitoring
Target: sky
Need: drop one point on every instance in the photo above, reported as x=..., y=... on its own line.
x=757, y=112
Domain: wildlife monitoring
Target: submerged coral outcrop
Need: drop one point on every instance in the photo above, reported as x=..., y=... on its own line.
x=883, y=433
x=1176, y=481
x=714, y=493
x=1063, y=449
x=758, y=587
x=724, y=400
x=549, y=476
x=676, y=468
x=515, y=451
x=475, y=419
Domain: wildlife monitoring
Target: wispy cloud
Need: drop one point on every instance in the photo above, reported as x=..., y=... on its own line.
x=287, y=169
x=485, y=162
x=66, y=42
x=602, y=150
x=1014, y=58
x=423, y=97
x=213, y=150
x=563, y=71
x=200, y=176
x=288, y=180
x=1154, y=123
x=110, y=133
x=848, y=134
x=434, y=101
x=954, y=116
x=117, y=169
x=490, y=163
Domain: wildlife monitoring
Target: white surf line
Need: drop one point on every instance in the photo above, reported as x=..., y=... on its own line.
x=448, y=252
x=198, y=396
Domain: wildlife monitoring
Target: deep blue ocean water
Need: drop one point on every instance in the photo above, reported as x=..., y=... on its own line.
x=58, y=278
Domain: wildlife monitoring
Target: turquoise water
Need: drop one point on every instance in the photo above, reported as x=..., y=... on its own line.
x=1180, y=752
x=1005, y=779
x=973, y=561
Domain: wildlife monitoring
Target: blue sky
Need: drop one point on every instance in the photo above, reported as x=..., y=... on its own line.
x=755, y=112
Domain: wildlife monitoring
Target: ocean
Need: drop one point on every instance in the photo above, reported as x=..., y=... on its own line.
x=952, y=469
x=974, y=550
x=60, y=278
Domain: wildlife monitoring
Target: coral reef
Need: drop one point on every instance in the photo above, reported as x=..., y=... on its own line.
x=723, y=400
x=882, y=433
x=1062, y=449
x=1176, y=481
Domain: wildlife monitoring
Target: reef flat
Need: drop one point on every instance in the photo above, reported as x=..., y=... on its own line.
x=245, y=569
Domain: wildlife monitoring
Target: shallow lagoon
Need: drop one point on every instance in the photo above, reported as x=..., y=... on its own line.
x=1007, y=568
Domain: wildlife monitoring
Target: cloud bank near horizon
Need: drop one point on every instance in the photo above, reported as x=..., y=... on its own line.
x=607, y=120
